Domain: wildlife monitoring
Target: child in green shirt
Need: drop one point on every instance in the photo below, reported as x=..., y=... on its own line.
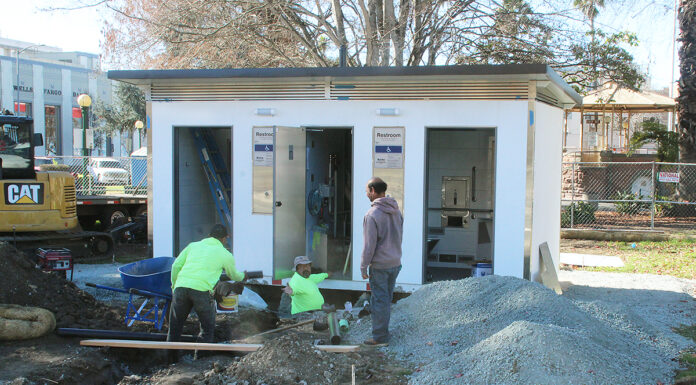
x=303, y=289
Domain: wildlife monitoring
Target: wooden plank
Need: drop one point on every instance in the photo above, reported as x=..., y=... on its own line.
x=548, y=269
x=202, y=346
x=337, y=348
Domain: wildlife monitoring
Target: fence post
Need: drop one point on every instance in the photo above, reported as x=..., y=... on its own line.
x=652, y=195
x=572, y=197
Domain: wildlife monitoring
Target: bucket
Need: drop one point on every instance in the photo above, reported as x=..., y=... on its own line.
x=228, y=304
x=483, y=269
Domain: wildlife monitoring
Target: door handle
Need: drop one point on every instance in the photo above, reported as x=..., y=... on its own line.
x=278, y=203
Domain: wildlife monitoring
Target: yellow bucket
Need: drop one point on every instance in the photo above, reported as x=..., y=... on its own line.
x=228, y=304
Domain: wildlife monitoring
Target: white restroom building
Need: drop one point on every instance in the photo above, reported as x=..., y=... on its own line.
x=471, y=153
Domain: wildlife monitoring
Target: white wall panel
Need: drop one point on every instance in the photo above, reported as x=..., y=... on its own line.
x=253, y=232
x=547, y=181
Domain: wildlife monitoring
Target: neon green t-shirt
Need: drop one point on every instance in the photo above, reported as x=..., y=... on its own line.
x=305, y=292
x=200, y=264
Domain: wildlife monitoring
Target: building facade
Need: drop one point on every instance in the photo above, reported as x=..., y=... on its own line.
x=47, y=82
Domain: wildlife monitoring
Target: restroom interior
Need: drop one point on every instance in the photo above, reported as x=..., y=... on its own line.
x=329, y=200
x=459, y=196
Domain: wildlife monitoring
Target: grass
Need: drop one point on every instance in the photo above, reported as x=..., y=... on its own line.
x=687, y=375
x=675, y=257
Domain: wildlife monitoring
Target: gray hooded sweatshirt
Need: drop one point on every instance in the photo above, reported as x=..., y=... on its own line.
x=383, y=227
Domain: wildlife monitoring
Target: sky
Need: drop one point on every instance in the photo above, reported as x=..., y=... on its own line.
x=80, y=30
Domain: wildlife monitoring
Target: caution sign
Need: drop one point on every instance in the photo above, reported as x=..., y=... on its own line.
x=24, y=193
x=389, y=147
x=668, y=177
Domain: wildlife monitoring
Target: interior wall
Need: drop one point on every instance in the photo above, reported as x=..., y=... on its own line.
x=195, y=211
x=327, y=142
x=453, y=152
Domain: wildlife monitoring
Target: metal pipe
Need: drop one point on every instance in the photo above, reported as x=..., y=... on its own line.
x=119, y=335
x=652, y=193
x=332, y=320
x=334, y=331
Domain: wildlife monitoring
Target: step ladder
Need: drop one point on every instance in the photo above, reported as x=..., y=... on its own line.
x=219, y=177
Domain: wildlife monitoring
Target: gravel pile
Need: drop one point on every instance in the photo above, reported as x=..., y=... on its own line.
x=104, y=274
x=506, y=330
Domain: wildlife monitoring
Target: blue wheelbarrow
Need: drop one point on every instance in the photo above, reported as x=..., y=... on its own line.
x=150, y=280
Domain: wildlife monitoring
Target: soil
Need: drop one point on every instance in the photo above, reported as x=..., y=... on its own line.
x=21, y=283
x=53, y=359
x=292, y=359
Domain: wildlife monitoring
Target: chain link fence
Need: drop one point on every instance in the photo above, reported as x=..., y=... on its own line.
x=101, y=176
x=628, y=195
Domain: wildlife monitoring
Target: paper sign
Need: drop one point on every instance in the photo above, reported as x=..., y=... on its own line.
x=668, y=177
x=263, y=146
x=389, y=147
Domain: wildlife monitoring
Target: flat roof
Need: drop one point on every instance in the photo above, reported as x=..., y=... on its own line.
x=526, y=71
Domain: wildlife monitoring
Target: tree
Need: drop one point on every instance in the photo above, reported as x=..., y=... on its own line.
x=120, y=116
x=686, y=102
x=653, y=131
x=299, y=33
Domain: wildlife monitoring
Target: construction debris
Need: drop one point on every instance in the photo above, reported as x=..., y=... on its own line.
x=507, y=330
x=289, y=360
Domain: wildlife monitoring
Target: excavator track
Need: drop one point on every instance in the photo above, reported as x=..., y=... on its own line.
x=83, y=245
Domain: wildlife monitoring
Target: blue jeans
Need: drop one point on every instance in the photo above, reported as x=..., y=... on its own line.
x=382, y=283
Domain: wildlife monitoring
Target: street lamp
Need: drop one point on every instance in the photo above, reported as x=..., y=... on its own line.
x=139, y=126
x=84, y=101
x=17, y=65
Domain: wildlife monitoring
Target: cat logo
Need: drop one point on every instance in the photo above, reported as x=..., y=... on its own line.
x=24, y=194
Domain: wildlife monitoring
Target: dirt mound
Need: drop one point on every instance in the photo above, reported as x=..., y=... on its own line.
x=289, y=360
x=21, y=283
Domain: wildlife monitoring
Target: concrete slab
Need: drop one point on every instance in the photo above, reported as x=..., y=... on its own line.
x=591, y=260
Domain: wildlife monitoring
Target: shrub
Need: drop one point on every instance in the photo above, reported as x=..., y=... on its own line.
x=582, y=212
x=631, y=204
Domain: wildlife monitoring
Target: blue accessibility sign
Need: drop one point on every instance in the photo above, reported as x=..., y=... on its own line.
x=263, y=147
x=388, y=149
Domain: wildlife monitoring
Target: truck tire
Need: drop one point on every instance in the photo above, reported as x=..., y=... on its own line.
x=113, y=215
x=140, y=210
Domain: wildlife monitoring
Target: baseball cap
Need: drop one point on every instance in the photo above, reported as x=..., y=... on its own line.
x=301, y=260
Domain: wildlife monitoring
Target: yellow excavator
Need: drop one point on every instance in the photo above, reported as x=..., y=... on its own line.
x=38, y=208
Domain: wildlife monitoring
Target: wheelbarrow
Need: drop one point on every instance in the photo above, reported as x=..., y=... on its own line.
x=148, y=280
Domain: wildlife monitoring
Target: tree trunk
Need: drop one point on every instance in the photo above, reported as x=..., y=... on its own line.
x=686, y=102
x=400, y=32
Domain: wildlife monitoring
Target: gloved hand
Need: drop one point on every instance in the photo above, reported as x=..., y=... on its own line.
x=224, y=288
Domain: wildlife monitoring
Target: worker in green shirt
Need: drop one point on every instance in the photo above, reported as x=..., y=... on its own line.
x=194, y=274
x=303, y=289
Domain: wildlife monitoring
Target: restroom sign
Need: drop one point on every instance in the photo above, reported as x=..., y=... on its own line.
x=389, y=147
x=263, y=146
x=24, y=194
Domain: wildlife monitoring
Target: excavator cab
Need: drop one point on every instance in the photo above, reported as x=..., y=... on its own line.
x=17, y=142
x=38, y=208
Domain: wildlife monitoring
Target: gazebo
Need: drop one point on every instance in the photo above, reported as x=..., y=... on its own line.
x=606, y=116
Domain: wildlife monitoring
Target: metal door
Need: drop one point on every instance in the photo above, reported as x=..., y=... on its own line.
x=289, y=198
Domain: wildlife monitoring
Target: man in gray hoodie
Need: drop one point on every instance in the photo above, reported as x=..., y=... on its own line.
x=382, y=232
